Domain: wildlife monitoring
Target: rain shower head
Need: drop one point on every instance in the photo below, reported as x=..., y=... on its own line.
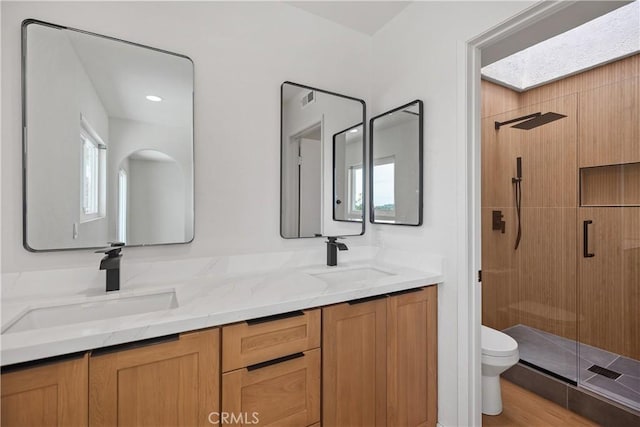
x=539, y=121
x=531, y=121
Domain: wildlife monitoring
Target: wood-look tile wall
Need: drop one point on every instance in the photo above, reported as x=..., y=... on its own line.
x=546, y=283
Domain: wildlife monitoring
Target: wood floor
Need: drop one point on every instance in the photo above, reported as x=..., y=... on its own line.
x=523, y=408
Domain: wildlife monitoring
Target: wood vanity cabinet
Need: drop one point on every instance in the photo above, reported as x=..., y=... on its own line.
x=272, y=370
x=379, y=365
x=52, y=394
x=282, y=392
x=259, y=340
x=412, y=358
x=172, y=383
x=354, y=347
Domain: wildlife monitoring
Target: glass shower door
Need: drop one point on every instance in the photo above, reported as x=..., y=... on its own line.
x=609, y=227
x=529, y=286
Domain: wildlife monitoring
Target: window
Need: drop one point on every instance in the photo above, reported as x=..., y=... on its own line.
x=92, y=184
x=122, y=206
x=384, y=184
x=355, y=191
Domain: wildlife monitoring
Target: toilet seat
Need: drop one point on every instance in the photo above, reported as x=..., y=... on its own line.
x=496, y=343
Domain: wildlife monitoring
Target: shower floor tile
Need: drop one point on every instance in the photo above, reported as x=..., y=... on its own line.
x=570, y=360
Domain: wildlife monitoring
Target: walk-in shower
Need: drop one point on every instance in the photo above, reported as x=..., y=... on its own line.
x=561, y=227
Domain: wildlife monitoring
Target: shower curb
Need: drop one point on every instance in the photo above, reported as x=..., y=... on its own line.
x=583, y=402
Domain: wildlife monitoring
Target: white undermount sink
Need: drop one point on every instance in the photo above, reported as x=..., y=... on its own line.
x=365, y=274
x=107, y=307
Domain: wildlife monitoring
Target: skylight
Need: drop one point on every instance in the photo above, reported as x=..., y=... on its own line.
x=604, y=39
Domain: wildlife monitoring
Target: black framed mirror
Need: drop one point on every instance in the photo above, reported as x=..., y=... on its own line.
x=314, y=122
x=108, y=141
x=396, y=166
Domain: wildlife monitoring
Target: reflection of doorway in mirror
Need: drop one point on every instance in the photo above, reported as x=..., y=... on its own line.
x=310, y=183
x=122, y=205
x=156, y=201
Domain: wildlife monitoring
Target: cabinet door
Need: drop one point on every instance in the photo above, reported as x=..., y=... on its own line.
x=354, y=364
x=412, y=358
x=609, y=124
x=174, y=383
x=54, y=394
x=284, y=392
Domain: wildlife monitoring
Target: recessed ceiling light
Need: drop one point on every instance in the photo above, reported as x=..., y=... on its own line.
x=353, y=130
x=154, y=98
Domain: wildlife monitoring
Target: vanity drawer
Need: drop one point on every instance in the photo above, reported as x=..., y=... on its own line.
x=283, y=391
x=260, y=340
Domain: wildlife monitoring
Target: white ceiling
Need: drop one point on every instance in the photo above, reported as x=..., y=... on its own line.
x=364, y=16
x=123, y=75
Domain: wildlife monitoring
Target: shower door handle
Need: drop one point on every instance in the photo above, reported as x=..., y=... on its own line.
x=585, y=239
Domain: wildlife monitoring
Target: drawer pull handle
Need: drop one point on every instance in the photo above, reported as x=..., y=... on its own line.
x=41, y=362
x=275, y=317
x=136, y=344
x=274, y=361
x=406, y=291
x=367, y=299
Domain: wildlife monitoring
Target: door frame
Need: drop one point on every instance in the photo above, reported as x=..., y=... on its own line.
x=469, y=55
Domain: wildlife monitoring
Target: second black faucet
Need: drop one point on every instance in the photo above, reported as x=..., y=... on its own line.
x=332, y=250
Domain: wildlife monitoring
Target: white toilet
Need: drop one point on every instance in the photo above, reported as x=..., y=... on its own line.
x=499, y=353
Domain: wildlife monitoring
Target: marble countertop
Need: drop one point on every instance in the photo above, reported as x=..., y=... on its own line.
x=203, y=302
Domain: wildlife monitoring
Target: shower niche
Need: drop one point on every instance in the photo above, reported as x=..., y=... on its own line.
x=610, y=185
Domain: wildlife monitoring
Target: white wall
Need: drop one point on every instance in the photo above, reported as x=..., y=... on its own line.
x=415, y=56
x=242, y=53
x=54, y=161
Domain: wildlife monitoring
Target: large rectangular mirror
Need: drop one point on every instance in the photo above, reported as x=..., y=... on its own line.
x=108, y=141
x=395, y=163
x=322, y=189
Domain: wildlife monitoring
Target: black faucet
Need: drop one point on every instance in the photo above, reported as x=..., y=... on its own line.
x=111, y=263
x=332, y=250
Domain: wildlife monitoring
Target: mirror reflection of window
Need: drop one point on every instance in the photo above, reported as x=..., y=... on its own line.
x=355, y=191
x=384, y=182
x=93, y=174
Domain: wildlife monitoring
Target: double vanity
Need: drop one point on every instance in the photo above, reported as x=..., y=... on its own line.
x=108, y=157
x=352, y=345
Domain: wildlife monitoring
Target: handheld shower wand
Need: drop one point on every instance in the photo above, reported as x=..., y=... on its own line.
x=518, y=188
